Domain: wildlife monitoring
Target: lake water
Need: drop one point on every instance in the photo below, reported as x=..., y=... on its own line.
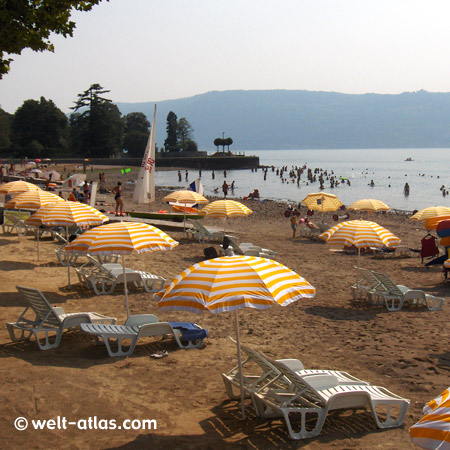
x=425, y=174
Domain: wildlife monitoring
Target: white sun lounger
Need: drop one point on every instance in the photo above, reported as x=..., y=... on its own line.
x=316, y=395
x=49, y=321
x=136, y=327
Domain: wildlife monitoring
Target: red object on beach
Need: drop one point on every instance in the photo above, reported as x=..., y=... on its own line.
x=443, y=228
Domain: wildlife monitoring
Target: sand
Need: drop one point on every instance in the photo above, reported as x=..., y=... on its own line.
x=405, y=351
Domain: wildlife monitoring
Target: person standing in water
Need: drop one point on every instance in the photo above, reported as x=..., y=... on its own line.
x=117, y=191
x=406, y=189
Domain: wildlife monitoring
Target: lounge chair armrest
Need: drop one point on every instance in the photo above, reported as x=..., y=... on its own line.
x=140, y=320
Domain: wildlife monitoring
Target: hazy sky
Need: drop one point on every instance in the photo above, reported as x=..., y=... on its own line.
x=152, y=50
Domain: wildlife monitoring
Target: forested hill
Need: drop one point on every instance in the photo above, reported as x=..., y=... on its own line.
x=280, y=119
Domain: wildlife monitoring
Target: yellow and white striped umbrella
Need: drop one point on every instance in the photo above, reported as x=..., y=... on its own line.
x=122, y=238
x=33, y=200
x=63, y=214
x=230, y=283
x=225, y=208
x=433, y=430
x=17, y=187
x=321, y=201
x=432, y=211
x=186, y=197
x=368, y=204
x=360, y=233
x=233, y=282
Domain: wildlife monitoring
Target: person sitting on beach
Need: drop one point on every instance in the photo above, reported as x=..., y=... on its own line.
x=309, y=223
x=254, y=194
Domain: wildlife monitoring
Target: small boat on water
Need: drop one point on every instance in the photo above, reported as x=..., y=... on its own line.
x=409, y=159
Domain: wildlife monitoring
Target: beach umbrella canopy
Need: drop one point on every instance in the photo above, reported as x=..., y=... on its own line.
x=368, y=204
x=360, y=233
x=17, y=187
x=122, y=238
x=225, y=209
x=64, y=214
x=433, y=430
x=433, y=222
x=32, y=200
x=186, y=198
x=230, y=283
x=432, y=211
x=321, y=201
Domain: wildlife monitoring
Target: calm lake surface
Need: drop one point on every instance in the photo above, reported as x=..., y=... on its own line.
x=425, y=174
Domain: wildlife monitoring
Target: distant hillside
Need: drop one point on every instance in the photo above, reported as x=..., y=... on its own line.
x=280, y=119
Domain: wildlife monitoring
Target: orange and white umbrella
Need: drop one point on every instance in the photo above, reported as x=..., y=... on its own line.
x=17, y=187
x=122, y=238
x=433, y=430
x=368, y=204
x=33, y=200
x=321, y=201
x=64, y=214
x=186, y=198
x=230, y=283
x=432, y=211
x=225, y=209
x=360, y=233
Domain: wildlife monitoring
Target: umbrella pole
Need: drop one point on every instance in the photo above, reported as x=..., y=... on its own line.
x=241, y=376
x=67, y=257
x=125, y=285
x=37, y=239
x=357, y=273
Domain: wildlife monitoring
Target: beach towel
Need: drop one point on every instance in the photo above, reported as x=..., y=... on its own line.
x=429, y=247
x=190, y=331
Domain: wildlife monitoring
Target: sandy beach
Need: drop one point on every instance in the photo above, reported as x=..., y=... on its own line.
x=407, y=351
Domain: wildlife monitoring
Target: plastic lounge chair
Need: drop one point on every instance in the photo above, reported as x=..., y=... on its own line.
x=401, y=251
x=397, y=296
x=14, y=221
x=186, y=335
x=257, y=380
x=366, y=284
x=205, y=234
x=103, y=278
x=249, y=249
x=315, y=395
x=48, y=320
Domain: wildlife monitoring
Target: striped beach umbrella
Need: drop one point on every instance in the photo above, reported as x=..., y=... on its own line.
x=122, y=238
x=186, y=198
x=433, y=430
x=360, y=233
x=368, y=204
x=17, y=187
x=433, y=222
x=64, y=214
x=321, y=201
x=33, y=200
x=225, y=209
x=432, y=211
x=230, y=283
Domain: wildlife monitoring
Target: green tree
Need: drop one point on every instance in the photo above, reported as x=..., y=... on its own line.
x=5, y=131
x=171, y=142
x=39, y=129
x=97, y=130
x=184, y=132
x=28, y=24
x=136, y=133
x=228, y=142
x=218, y=142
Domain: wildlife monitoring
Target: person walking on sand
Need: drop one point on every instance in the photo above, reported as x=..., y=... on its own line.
x=294, y=222
x=117, y=191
